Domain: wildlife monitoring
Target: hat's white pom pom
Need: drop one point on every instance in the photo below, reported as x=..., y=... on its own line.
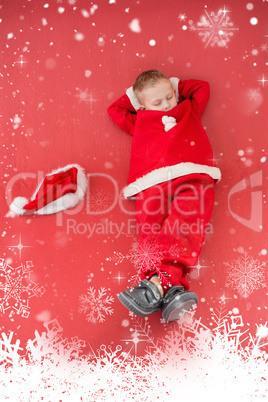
x=18, y=204
x=169, y=122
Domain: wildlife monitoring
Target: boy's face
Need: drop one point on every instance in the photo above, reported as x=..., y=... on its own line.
x=161, y=97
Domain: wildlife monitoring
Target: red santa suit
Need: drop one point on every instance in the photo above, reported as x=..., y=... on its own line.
x=172, y=174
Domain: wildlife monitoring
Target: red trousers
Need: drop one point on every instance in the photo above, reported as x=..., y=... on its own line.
x=172, y=219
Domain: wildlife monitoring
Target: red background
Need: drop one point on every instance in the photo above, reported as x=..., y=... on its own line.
x=62, y=64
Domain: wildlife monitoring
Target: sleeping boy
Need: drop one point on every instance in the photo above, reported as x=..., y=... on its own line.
x=172, y=176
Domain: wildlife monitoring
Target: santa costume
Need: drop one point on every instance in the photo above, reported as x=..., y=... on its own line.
x=172, y=175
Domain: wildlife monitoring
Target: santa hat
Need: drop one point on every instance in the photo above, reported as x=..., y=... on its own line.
x=61, y=189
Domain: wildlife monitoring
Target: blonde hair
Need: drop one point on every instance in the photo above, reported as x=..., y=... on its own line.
x=147, y=79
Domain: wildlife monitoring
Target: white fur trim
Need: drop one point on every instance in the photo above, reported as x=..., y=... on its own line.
x=169, y=122
x=168, y=173
x=17, y=205
x=175, y=85
x=134, y=100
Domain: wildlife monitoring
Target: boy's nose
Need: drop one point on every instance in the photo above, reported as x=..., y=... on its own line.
x=166, y=105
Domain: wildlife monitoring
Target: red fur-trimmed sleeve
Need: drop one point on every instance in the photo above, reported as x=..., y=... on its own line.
x=197, y=91
x=123, y=114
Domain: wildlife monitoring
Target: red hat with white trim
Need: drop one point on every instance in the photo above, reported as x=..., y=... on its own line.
x=61, y=189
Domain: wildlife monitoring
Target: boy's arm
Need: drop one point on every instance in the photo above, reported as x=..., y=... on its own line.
x=123, y=114
x=197, y=91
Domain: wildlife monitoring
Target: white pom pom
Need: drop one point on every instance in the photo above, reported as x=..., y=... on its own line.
x=169, y=122
x=18, y=204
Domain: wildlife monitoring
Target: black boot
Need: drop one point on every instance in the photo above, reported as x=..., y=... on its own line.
x=143, y=299
x=177, y=302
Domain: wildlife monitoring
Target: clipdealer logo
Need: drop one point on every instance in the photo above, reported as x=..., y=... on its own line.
x=254, y=185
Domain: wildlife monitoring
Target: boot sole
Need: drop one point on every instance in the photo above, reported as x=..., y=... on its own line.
x=179, y=306
x=134, y=307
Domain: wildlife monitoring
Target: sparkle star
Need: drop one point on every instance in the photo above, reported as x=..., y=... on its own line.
x=85, y=96
x=119, y=277
x=198, y=266
x=21, y=62
x=224, y=11
x=135, y=339
x=214, y=160
x=19, y=246
x=263, y=80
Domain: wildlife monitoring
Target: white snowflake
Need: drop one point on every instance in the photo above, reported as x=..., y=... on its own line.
x=109, y=357
x=250, y=151
x=146, y=256
x=190, y=356
x=52, y=345
x=99, y=201
x=215, y=29
x=17, y=288
x=254, y=94
x=182, y=17
x=264, y=47
x=228, y=327
x=8, y=350
x=262, y=330
x=248, y=162
x=96, y=306
x=140, y=332
x=245, y=275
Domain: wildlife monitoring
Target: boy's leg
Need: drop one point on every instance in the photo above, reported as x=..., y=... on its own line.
x=151, y=211
x=172, y=219
x=183, y=231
